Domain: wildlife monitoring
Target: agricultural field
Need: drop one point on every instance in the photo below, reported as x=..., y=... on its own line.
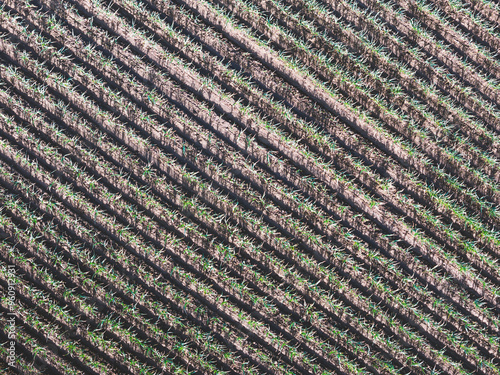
x=249, y=187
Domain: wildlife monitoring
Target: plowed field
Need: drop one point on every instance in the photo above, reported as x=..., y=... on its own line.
x=249, y=187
